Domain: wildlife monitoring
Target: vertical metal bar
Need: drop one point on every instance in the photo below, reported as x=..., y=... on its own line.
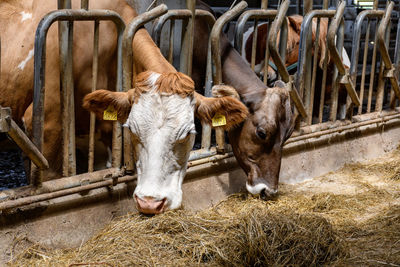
x=206, y=128
x=307, y=6
x=264, y=4
x=187, y=40
x=373, y=67
x=283, y=37
x=85, y=4
x=364, y=68
x=266, y=59
x=323, y=87
x=95, y=65
x=325, y=4
x=306, y=90
x=382, y=80
x=71, y=104
x=314, y=74
x=254, y=44
x=171, y=41
x=335, y=82
x=117, y=132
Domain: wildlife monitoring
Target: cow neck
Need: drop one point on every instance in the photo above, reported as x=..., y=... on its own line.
x=147, y=55
x=237, y=73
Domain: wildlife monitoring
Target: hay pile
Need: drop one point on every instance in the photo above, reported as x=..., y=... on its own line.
x=238, y=232
x=346, y=218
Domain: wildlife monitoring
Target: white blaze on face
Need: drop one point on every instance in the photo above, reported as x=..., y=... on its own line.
x=163, y=132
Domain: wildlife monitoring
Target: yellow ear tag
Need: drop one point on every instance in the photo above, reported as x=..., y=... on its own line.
x=110, y=114
x=218, y=120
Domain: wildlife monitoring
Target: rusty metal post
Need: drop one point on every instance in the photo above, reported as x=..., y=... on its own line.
x=95, y=65
x=216, y=56
x=65, y=33
x=307, y=7
x=187, y=40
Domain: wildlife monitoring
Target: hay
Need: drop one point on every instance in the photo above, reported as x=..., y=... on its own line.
x=238, y=232
x=346, y=218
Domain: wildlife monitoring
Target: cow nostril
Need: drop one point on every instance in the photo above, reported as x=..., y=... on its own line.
x=149, y=205
x=267, y=194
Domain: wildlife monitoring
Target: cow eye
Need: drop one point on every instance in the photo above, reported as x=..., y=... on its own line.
x=184, y=137
x=261, y=133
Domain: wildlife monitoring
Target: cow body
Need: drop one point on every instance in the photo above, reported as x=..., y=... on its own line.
x=257, y=142
x=18, y=23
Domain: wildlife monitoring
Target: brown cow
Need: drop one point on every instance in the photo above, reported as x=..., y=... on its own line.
x=18, y=23
x=257, y=143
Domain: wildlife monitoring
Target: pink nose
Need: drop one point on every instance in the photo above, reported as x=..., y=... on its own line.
x=148, y=205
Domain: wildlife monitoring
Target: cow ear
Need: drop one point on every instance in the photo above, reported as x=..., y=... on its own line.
x=295, y=22
x=207, y=107
x=101, y=100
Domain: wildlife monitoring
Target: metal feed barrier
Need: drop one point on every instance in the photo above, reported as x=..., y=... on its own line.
x=303, y=92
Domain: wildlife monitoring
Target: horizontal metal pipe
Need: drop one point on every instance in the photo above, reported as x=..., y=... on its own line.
x=209, y=159
x=10, y=204
x=342, y=128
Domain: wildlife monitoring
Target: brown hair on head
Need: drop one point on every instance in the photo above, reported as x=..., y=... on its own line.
x=167, y=84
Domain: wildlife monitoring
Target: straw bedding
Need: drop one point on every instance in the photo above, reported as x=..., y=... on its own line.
x=346, y=218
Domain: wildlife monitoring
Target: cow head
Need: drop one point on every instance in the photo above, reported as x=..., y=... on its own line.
x=257, y=145
x=159, y=113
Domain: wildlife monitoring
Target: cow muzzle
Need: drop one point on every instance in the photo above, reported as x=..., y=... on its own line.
x=150, y=205
x=266, y=193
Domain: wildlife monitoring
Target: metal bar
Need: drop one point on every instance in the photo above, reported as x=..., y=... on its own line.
x=174, y=14
x=27, y=146
x=341, y=128
x=171, y=41
x=337, y=22
x=71, y=105
x=364, y=68
x=85, y=4
x=254, y=44
x=191, y=6
x=95, y=65
x=10, y=204
x=216, y=56
x=314, y=75
x=383, y=29
x=307, y=6
x=323, y=88
x=246, y=16
x=264, y=4
x=273, y=33
x=266, y=59
x=39, y=60
x=381, y=79
x=372, y=73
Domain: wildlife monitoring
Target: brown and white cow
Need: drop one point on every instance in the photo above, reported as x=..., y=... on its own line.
x=257, y=143
x=159, y=111
x=18, y=22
